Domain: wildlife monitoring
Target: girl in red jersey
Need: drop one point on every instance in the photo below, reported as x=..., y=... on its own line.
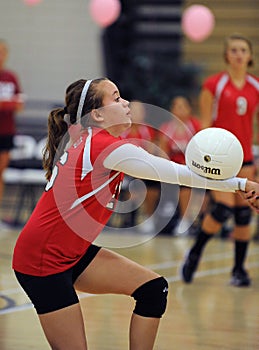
x=145, y=136
x=10, y=103
x=229, y=100
x=54, y=254
x=174, y=137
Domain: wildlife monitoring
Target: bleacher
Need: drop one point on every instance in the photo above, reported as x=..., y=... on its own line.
x=24, y=178
x=142, y=52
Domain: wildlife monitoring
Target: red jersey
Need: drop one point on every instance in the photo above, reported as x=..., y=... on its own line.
x=9, y=87
x=234, y=108
x=178, y=136
x=77, y=203
x=142, y=136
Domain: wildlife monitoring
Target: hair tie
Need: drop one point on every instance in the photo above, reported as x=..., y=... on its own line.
x=67, y=119
x=82, y=100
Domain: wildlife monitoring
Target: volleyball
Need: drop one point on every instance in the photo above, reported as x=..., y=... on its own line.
x=214, y=153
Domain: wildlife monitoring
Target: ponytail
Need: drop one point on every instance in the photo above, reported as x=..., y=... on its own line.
x=56, y=141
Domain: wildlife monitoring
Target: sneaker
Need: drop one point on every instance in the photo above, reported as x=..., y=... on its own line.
x=240, y=278
x=189, y=267
x=182, y=229
x=147, y=226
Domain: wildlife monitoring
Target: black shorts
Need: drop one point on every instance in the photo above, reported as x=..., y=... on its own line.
x=6, y=142
x=54, y=292
x=250, y=162
x=152, y=184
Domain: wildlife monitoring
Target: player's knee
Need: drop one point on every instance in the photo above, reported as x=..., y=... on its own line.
x=221, y=212
x=242, y=215
x=151, y=298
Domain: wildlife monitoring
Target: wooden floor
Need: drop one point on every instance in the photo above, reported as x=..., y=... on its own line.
x=208, y=314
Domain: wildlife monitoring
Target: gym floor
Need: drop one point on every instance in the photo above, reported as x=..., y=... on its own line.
x=207, y=314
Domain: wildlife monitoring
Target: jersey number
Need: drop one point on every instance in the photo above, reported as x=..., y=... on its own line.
x=241, y=105
x=62, y=161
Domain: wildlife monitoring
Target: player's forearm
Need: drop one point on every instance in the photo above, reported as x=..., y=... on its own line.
x=136, y=162
x=205, y=104
x=188, y=178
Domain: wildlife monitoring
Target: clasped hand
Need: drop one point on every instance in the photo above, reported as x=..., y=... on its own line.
x=251, y=195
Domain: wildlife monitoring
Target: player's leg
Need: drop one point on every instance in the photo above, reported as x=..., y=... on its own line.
x=4, y=161
x=152, y=197
x=184, y=220
x=64, y=328
x=242, y=234
x=149, y=206
x=110, y=272
x=58, y=309
x=221, y=210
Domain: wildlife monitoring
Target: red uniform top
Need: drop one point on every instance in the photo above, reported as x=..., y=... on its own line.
x=234, y=108
x=9, y=87
x=178, y=136
x=77, y=203
x=142, y=136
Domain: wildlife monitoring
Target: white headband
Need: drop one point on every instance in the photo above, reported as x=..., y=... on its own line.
x=82, y=100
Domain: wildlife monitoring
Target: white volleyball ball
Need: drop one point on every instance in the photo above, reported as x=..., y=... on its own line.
x=214, y=153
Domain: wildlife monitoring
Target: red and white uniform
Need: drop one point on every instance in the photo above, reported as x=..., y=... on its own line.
x=77, y=203
x=234, y=108
x=9, y=87
x=178, y=136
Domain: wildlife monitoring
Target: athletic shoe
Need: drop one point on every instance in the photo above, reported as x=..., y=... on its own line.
x=240, y=278
x=189, y=267
x=147, y=226
x=182, y=229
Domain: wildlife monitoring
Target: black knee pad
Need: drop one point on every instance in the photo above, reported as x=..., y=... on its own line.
x=151, y=298
x=221, y=212
x=242, y=215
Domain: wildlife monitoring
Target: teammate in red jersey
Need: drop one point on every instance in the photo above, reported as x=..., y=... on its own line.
x=174, y=137
x=85, y=159
x=10, y=103
x=176, y=133
x=146, y=136
x=229, y=100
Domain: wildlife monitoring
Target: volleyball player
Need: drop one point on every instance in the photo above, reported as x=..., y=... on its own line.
x=85, y=159
x=229, y=100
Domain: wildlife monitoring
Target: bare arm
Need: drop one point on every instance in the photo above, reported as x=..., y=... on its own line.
x=206, y=105
x=163, y=146
x=20, y=100
x=15, y=104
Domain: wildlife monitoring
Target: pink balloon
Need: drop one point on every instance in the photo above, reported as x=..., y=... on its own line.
x=105, y=12
x=197, y=22
x=32, y=2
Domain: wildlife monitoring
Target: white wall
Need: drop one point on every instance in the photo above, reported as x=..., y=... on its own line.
x=51, y=45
